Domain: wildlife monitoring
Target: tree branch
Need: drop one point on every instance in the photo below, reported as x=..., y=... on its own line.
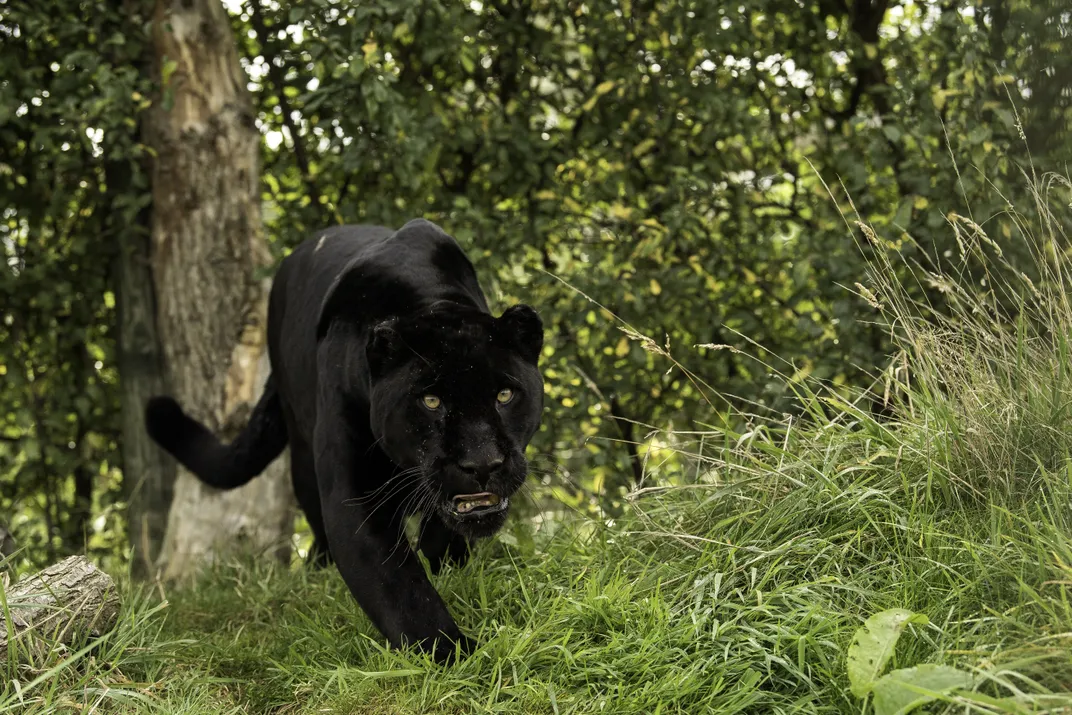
x=625, y=427
x=277, y=76
x=621, y=421
x=865, y=17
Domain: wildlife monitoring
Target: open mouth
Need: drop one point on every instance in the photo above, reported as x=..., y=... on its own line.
x=479, y=504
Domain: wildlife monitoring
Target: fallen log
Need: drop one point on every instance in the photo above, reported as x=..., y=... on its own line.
x=60, y=605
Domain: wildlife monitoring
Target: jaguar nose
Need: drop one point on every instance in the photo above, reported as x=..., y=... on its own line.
x=480, y=467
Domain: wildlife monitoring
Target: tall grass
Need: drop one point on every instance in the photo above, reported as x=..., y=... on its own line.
x=987, y=370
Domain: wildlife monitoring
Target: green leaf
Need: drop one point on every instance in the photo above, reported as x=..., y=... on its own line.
x=601, y=89
x=467, y=61
x=904, y=690
x=167, y=70
x=644, y=147
x=903, y=217
x=873, y=646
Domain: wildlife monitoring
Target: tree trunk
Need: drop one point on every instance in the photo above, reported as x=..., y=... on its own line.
x=59, y=605
x=206, y=246
x=148, y=472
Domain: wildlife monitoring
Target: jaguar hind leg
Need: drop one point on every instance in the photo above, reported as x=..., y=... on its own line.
x=303, y=477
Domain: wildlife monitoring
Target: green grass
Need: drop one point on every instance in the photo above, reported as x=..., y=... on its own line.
x=732, y=598
x=738, y=590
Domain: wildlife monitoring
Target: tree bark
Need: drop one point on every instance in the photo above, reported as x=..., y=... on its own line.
x=207, y=243
x=148, y=472
x=59, y=605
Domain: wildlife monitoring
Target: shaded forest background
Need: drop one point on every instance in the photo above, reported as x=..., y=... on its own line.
x=665, y=158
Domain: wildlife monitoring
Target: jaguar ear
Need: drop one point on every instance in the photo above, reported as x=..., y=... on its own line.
x=522, y=326
x=383, y=347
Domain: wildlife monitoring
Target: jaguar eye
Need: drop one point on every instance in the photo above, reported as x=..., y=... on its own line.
x=505, y=396
x=431, y=402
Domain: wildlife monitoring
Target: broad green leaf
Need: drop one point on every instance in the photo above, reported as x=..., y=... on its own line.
x=873, y=646
x=904, y=690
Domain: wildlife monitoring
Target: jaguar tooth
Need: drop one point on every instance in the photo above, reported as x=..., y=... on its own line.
x=465, y=503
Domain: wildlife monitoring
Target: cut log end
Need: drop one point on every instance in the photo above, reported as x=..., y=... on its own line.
x=61, y=605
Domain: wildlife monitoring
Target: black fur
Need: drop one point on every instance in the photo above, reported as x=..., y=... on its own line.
x=224, y=466
x=363, y=324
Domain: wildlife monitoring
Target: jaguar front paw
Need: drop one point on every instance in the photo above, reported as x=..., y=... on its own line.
x=448, y=649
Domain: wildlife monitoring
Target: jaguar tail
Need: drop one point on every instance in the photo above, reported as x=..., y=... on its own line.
x=224, y=466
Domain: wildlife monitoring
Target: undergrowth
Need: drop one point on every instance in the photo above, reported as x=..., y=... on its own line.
x=739, y=590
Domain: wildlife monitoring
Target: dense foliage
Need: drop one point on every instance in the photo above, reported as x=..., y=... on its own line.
x=70, y=183
x=682, y=165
